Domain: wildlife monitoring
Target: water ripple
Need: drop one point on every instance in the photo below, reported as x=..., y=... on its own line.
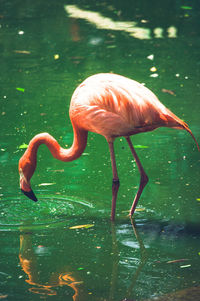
x=16, y=212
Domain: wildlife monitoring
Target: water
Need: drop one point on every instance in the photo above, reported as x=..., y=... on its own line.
x=47, y=49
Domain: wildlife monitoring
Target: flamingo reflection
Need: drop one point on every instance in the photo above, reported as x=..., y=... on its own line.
x=63, y=280
x=45, y=284
x=116, y=257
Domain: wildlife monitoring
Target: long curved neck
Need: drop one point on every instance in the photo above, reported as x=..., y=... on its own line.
x=70, y=154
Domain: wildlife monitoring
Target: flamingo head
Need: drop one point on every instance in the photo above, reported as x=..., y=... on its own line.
x=26, y=170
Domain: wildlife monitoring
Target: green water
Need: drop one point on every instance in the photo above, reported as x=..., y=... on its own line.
x=47, y=49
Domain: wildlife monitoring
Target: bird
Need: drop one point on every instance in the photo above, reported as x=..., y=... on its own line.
x=113, y=106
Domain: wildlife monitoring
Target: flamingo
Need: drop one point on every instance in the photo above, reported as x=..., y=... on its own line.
x=110, y=105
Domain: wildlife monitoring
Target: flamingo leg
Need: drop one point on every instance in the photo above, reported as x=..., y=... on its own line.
x=115, y=181
x=143, y=177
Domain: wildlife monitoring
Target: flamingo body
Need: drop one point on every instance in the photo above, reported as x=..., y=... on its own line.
x=112, y=106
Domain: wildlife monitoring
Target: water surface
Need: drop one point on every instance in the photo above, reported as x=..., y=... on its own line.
x=47, y=49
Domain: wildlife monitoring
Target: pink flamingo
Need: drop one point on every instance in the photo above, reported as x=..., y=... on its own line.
x=112, y=106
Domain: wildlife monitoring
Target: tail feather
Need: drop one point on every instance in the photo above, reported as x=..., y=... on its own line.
x=176, y=122
x=186, y=127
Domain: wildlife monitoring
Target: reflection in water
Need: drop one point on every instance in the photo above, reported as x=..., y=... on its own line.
x=102, y=22
x=49, y=283
x=29, y=264
x=115, y=266
x=142, y=261
x=74, y=31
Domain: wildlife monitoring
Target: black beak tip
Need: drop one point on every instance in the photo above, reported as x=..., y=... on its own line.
x=30, y=194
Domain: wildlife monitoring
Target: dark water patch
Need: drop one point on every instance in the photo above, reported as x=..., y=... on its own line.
x=169, y=228
x=189, y=294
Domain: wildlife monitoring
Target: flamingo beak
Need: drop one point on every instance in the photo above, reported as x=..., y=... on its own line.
x=25, y=187
x=30, y=194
